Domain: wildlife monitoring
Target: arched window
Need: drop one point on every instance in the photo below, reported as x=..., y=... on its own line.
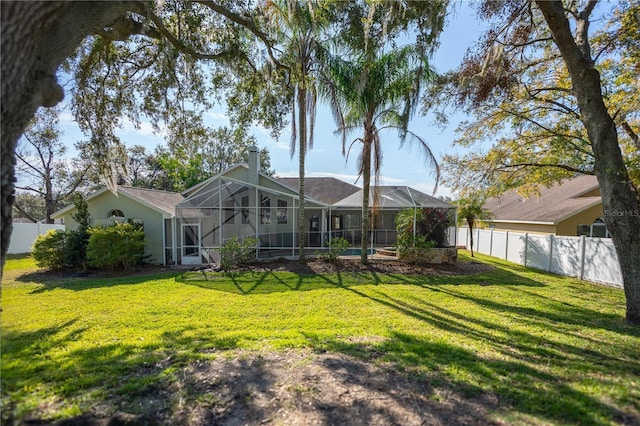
x=116, y=213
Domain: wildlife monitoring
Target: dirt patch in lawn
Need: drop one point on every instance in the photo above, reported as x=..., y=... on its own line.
x=296, y=388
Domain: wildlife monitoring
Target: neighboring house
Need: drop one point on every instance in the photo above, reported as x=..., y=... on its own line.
x=572, y=207
x=190, y=228
x=152, y=208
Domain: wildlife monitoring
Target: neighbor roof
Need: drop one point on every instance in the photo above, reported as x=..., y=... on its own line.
x=161, y=201
x=325, y=189
x=395, y=197
x=551, y=206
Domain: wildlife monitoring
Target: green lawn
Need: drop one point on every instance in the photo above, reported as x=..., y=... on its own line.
x=553, y=350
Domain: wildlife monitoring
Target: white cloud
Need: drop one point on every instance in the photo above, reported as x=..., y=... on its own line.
x=219, y=116
x=144, y=128
x=67, y=117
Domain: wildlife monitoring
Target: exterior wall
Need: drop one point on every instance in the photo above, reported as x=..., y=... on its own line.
x=524, y=227
x=99, y=208
x=24, y=235
x=587, y=217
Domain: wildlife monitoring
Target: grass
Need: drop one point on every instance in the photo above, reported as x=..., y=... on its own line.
x=553, y=350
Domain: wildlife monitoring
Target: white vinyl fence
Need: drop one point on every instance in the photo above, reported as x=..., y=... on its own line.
x=587, y=258
x=24, y=235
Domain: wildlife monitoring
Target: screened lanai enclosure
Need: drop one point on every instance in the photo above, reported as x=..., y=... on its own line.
x=239, y=204
x=346, y=215
x=225, y=208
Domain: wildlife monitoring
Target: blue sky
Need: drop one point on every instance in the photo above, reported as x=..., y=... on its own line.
x=400, y=166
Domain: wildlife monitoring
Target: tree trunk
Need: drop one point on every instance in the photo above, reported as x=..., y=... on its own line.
x=366, y=179
x=302, y=151
x=620, y=200
x=35, y=37
x=470, y=223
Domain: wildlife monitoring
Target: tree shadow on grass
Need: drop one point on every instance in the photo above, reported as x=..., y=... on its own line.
x=266, y=282
x=52, y=281
x=172, y=385
x=400, y=379
x=520, y=373
x=195, y=377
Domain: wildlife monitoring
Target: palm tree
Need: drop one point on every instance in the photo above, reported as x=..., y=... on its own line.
x=471, y=209
x=299, y=26
x=375, y=92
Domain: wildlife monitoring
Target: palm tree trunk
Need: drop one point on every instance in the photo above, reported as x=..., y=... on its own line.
x=366, y=179
x=470, y=223
x=302, y=151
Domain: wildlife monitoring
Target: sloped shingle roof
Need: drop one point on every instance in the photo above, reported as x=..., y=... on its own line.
x=395, y=197
x=325, y=189
x=162, y=200
x=552, y=205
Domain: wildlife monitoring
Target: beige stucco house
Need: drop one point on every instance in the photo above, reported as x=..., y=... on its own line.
x=572, y=207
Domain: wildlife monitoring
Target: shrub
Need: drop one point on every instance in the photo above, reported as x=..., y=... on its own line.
x=118, y=247
x=57, y=250
x=415, y=250
x=337, y=247
x=433, y=223
x=49, y=250
x=237, y=251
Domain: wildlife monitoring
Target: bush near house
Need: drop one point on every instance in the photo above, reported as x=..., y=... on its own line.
x=237, y=251
x=431, y=223
x=337, y=247
x=118, y=247
x=415, y=250
x=415, y=239
x=58, y=250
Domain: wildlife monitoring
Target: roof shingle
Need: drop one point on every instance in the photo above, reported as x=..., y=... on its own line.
x=552, y=205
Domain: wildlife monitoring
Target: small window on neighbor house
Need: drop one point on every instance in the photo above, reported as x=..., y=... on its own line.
x=583, y=230
x=116, y=213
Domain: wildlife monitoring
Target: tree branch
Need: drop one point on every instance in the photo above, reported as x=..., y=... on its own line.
x=541, y=165
x=24, y=212
x=175, y=42
x=633, y=135
x=247, y=23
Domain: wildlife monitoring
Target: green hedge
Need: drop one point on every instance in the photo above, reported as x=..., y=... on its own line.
x=118, y=247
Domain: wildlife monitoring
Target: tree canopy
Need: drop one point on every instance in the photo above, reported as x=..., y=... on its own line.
x=517, y=90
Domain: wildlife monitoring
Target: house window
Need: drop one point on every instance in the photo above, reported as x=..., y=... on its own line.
x=245, y=209
x=336, y=223
x=229, y=212
x=282, y=211
x=116, y=213
x=265, y=210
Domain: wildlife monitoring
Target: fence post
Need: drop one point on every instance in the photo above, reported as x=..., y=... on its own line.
x=549, y=263
x=506, y=245
x=583, y=243
x=526, y=247
x=491, y=243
